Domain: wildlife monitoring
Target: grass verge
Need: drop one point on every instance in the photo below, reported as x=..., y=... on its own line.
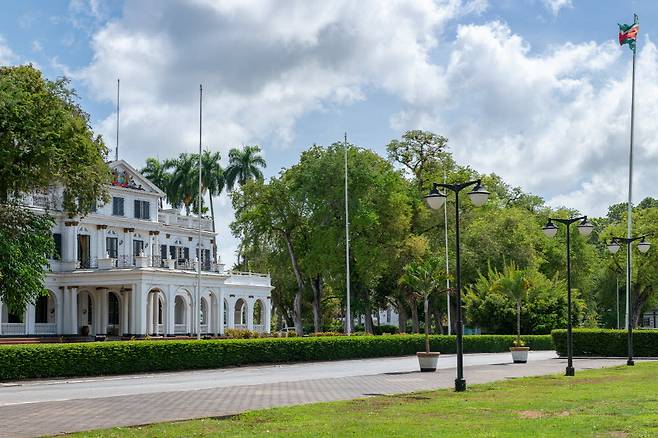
x=613, y=402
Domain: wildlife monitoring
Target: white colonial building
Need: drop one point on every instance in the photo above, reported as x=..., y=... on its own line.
x=129, y=269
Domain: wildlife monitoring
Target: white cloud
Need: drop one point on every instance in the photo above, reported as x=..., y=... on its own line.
x=7, y=56
x=555, y=123
x=556, y=5
x=263, y=64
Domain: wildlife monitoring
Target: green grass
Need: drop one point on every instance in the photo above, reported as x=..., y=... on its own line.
x=614, y=402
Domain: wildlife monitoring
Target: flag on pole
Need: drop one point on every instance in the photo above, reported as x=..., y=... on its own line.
x=628, y=33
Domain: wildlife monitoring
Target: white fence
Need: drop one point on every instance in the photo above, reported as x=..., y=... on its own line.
x=45, y=329
x=11, y=329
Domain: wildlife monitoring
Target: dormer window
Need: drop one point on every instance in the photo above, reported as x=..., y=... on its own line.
x=142, y=210
x=117, y=206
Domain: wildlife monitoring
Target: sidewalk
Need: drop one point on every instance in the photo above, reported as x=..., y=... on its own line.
x=51, y=407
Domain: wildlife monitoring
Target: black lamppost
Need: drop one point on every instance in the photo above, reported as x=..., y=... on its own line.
x=585, y=228
x=435, y=200
x=643, y=247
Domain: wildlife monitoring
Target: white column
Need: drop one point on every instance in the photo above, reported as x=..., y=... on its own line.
x=101, y=248
x=250, y=313
x=73, y=310
x=103, y=313
x=125, y=314
x=220, y=312
x=140, y=315
x=267, y=310
x=231, y=313
x=170, y=304
x=59, y=311
x=30, y=326
x=133, y=310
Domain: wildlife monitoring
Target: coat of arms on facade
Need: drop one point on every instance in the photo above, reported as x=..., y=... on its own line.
x=122, y=179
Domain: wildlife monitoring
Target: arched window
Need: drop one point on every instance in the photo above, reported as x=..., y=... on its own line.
x=258, y=312
x=179, y=310
x=113, y=310
x=204, y=311
x=41, y=310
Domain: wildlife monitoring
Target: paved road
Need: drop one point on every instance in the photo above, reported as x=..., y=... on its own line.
x=55, y=406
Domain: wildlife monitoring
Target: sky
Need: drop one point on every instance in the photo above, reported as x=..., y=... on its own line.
x=537, y=91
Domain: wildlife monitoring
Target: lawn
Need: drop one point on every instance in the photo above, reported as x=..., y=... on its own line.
x=614, y=402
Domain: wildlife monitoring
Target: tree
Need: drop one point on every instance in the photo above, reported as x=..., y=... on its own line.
x=46, y=140
x=420, y=152
x=184, y=180
x=513, y=282
x=424, y=279
x=156, y=172
x=244, y=164
x=212, y=178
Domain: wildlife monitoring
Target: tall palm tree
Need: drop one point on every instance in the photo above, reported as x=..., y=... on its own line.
x=212, y=180
x=244, y=164
x=156, y=172
x=183, y=185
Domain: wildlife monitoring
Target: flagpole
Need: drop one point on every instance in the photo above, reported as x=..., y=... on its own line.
x=116, y=151
x=348, y=313
x=198, y=264
x=629, y=219
x=445, y=227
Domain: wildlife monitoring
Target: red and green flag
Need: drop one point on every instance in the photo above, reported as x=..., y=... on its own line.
x=628, y=33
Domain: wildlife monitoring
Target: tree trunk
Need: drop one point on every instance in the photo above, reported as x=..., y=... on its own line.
x=438, y=317
x=427, y=324
x=518, y=323
x=367, y=320
x=638, y=304
x=316, y=284
x=297, y=303
x=414, y=316
x=402, y=318
x=212, y=215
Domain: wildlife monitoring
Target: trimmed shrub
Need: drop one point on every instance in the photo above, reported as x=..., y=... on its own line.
x=116, y=357
x=608, y=343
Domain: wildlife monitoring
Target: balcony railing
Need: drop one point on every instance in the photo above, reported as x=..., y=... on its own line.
x=180, y=329
x=45, y=329
x=260, y=328
x=13, y=328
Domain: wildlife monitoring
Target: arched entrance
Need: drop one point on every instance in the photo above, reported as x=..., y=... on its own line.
x=226, y=313
x=240, y=314
x=114, y=314
x=86, y=314
x=155, y=312
x=204, y=317
x=182, y=314
x=259, y=316
x=45, y=315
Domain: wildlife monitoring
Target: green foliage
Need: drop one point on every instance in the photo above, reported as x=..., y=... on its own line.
x=544, y=310
x=103, y=358
x=244, y=165
x=46, y=139
x=25, y=245
x=607, y=343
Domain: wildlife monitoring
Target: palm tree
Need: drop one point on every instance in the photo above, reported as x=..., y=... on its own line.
x=424, y=278
x=183, y=185
x=244, y=164
x=156, y=172
x=514, y=283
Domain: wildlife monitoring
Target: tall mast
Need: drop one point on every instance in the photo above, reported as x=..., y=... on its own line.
x=116, y=150
x=348, y=313
x=198, y=278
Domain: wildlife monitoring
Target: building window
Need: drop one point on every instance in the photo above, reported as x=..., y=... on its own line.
x=163, y=252
x=142, y=210
x=41, y=310
x=113, y=310
x=138, y=247
x=112, y=246
x=117, y=206
x=57, y=237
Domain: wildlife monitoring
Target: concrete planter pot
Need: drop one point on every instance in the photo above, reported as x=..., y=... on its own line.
x=519, y=354
x=428, y=361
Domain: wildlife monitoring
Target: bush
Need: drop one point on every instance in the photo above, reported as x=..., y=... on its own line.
x=320, y=334
x=241, y=334
x=609, y=343
x=117, y=357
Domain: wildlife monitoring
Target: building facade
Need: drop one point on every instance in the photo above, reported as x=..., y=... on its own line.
x=129, y=268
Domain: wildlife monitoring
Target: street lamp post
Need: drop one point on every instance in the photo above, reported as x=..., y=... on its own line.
x=643, y=247
x=585, y=228
x=435, y=200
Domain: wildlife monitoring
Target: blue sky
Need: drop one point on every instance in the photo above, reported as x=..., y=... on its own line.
x=537, y=91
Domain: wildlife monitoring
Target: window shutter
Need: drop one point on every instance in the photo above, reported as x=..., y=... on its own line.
x=147, y=210
x=186, y=252
x=58, y=245
x=163, y=251
x=172, y=252
x=137, y=209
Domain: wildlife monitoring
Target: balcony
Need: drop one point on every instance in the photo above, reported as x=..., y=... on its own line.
x=172, y=217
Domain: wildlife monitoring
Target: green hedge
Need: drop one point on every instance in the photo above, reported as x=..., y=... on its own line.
x=608, y=343
x=101, y=358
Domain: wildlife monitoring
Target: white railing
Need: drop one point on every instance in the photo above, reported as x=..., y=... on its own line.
x=260, y=328
x=204, y=328
x=45, y=329
x=13, y=328
x=180, y=329
x=161, y=329
x=241, y=326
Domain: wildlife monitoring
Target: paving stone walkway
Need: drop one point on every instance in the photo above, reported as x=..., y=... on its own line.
x=56, y=417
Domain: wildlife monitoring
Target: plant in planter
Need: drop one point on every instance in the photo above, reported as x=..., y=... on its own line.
x=514, y=283
x=425, y=278
x=84, y=330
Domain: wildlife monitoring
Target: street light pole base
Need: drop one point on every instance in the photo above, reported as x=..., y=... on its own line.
x=460, y=385
x=630, y=362
x=570, y=372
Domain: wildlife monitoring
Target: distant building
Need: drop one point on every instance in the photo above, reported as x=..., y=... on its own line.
x=650, y=319
x=129, y=268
